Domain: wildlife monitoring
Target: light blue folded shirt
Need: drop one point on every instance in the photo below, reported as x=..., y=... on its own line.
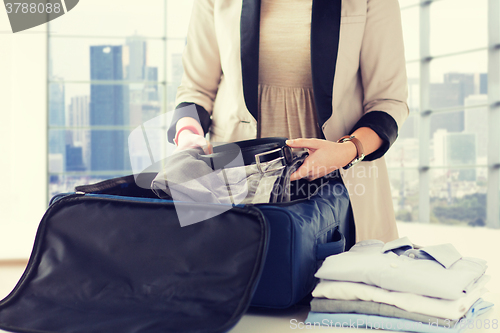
x=356, y=320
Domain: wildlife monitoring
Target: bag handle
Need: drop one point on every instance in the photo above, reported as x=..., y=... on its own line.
x=109, y=185
x=331, y=248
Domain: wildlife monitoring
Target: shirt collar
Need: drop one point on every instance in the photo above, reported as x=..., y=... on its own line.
x=367, y=245
x=445, y=254
x=401, y=243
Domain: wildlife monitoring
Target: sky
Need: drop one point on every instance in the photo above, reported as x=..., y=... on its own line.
x=115, y=20
x=456, y=25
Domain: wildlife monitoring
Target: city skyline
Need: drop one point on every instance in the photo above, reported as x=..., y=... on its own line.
x=117, y=105
x=456, y=82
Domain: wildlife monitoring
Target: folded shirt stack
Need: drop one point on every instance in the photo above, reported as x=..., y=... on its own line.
x=401, y=287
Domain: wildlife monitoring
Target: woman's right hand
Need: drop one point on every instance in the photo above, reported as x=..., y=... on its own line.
x=189, y=140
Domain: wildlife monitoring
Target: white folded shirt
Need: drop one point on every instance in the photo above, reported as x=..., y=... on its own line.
x=437, y=307
x=436, y=271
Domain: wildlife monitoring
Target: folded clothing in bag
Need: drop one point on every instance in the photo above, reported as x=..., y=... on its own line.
x=114, y=258
x=244, y=172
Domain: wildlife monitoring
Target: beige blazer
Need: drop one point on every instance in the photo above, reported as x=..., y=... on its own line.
x=365, y=72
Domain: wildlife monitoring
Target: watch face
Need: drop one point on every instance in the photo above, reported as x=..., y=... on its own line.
x=355, y=161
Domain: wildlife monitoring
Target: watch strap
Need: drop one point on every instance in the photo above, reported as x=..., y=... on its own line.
x=359, y=149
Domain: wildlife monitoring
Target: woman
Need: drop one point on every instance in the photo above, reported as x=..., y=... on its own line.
x=310, y=70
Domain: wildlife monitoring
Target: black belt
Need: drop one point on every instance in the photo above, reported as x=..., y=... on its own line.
x=255, y=151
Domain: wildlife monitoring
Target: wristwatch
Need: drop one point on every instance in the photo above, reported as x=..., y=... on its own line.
x=359, y=149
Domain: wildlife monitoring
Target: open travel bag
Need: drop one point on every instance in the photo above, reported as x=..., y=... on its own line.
x=113, y=257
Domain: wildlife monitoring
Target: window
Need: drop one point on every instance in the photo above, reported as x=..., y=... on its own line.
x=113, y=65
x=442, y=168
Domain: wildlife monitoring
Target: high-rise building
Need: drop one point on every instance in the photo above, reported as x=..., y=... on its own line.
x=483, y=83
x=455, y=150
x=177, y=69
x=109, y=107
x=137, y=53
x=476, y=122
x=175, y=79
x=144, y=97
x=74, y=158
x=78, y=120
x=78, y=116
x=57, y=142
x=462, y=151
x=152, y=89
x=451, y=93
x=150, y=103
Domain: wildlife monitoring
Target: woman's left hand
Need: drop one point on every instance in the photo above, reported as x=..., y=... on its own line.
x=324, y=157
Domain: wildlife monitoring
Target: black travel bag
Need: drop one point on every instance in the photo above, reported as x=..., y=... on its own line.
x=112, y=257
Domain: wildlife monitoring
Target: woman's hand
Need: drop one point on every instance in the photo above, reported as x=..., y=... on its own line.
x=324, y=157
x=189, y=140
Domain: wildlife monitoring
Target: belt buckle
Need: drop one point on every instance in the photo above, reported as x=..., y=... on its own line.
x=259, y=163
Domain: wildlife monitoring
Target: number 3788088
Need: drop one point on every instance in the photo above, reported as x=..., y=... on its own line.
x=23, y=7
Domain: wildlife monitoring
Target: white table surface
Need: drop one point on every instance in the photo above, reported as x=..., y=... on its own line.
x=472, y=242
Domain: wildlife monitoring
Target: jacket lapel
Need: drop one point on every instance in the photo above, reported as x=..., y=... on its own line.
x=325, y=30
x=250, y=31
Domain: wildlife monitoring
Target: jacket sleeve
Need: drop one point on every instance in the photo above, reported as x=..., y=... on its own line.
x=202, y=68
x=383, y=73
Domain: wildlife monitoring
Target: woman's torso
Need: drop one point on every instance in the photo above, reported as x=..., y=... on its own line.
x=286, y=99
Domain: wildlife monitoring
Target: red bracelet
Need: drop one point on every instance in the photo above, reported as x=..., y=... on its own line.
x=188, y=127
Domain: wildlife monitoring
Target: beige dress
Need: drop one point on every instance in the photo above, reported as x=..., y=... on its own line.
x=286, y=99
